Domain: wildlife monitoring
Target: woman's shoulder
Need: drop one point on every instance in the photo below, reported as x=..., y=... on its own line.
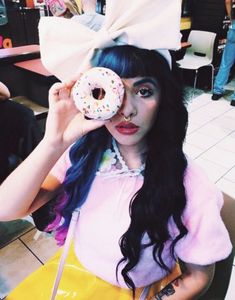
x=199, y=187
x=194, y=172
x=207, y=240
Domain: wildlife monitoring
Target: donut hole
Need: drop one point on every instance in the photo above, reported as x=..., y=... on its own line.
x=98, y=93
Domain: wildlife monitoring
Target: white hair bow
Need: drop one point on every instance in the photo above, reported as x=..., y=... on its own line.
x=68, y=46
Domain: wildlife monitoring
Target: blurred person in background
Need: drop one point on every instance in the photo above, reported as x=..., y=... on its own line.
x=228, y=57
x=89, y=17
x=19, y=132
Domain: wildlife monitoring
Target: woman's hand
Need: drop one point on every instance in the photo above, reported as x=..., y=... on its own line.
x=4, y=92
x=65, y=124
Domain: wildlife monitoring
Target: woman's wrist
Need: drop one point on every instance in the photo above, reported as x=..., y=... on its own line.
x=52, y=148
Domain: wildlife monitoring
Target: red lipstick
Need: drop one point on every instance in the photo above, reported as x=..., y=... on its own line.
x=127, y=128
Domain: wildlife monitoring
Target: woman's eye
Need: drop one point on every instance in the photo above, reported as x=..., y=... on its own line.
x=145, y=92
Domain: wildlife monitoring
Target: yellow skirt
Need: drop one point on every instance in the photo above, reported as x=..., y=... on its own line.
x=77, y=283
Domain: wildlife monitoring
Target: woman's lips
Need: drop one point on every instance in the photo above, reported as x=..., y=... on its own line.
x=127, y=128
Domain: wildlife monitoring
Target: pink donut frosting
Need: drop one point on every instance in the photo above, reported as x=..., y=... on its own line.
x=98, y=78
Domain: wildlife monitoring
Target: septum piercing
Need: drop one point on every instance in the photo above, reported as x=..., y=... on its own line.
x=127, y=119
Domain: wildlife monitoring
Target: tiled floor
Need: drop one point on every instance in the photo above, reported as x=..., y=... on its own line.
x=210, y=141
x=21, y=257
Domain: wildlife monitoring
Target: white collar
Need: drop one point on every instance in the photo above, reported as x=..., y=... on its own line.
x=113, y=164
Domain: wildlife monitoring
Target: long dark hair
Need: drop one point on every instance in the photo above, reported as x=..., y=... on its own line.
x=162, y=195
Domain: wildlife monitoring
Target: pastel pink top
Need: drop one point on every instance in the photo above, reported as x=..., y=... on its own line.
x=105, y=217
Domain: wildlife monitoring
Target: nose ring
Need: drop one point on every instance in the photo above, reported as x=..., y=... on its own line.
x=127, y=119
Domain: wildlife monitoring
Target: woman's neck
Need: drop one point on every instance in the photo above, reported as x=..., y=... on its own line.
x=132, y=155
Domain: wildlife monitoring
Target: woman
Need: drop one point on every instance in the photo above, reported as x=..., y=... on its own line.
x=133, y=160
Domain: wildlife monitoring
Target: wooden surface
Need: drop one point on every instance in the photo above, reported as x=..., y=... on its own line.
x=185, y=45
x=35, y=80
x=36, y=108
x=34, y=66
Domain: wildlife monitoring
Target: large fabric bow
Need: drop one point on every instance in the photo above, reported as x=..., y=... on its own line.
x=68, y=46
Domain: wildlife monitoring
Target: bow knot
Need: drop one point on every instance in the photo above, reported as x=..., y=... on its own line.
x=102, y=39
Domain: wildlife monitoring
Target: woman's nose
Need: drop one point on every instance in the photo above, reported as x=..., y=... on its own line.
x=128, y=108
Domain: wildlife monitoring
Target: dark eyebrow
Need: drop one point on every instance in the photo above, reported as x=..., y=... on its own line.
x=145, y=80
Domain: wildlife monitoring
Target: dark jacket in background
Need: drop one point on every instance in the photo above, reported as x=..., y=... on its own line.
x=19, y=135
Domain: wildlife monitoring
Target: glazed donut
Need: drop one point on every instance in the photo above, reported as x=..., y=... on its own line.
x=99, y=79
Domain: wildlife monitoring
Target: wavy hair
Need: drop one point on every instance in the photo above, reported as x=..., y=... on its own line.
x=162, y=195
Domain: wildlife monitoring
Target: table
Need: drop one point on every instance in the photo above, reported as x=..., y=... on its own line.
x=9, y=75
x=38, y=110
x=185, y=45
x=15, y=54
x=36, y=80
x=35, y=66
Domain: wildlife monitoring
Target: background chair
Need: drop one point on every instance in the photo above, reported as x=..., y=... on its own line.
x=200, y=54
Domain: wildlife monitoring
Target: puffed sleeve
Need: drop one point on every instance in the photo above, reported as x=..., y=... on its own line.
x=207, y=240
x=60, y=168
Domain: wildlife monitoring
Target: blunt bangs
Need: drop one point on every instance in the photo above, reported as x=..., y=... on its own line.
x=129, y=61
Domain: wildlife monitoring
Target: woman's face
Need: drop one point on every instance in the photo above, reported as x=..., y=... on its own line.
x=138, y=112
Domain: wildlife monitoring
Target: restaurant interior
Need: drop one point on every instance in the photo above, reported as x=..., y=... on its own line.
x=211, y=132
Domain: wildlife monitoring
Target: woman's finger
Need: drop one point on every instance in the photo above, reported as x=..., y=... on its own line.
x=54, y=91
x=70, y=83
x=64, y=92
